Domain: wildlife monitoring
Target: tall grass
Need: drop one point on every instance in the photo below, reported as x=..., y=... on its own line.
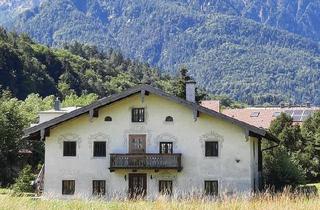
x=265, y=201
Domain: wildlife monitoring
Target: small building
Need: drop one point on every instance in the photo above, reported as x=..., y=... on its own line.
x=145, y=142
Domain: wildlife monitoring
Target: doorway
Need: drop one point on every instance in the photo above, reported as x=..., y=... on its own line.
x=137, y=186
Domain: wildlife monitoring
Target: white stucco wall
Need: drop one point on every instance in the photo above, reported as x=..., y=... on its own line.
x=188, y=138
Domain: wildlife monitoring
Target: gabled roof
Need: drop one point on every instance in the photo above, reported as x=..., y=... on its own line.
x=140, y=89
x=211, y=104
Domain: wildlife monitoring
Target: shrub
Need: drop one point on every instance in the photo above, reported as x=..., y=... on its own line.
x=23, y=182
x=281, y=170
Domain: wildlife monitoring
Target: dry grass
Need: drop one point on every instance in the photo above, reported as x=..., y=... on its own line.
x=315, y=184
x=268, y=202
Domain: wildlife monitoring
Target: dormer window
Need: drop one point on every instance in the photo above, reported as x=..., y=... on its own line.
x=108, y=119
x=137, y=115
x=169, y=119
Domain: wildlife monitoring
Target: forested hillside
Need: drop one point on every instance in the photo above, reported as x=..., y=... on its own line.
x=253, y=51
x=27, y=67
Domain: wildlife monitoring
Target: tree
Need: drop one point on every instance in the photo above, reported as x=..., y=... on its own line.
x=311, y=159
x=288, y=133
x=180, y=86
x=83, y=100
x=283, y=165
x=24, y=182
x=11, y=125
x=281, y=170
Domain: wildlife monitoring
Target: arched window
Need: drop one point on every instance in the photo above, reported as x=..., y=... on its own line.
x=108, y=119
x=169, y=119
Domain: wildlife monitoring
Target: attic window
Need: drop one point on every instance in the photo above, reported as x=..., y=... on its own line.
x=169, y=119
x=255, y=114
x=108, y=119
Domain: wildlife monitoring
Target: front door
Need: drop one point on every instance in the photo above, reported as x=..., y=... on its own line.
x=137, y=143
x=137, y=185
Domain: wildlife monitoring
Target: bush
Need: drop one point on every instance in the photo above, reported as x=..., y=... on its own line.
x=23, y=182
x=281, y=170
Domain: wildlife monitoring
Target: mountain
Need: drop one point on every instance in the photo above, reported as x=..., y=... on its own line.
x=27, y=67
x=255, y=51
x=9, y=9
x=296, y=16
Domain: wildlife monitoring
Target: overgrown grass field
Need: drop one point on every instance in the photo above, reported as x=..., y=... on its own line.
x=266, y=201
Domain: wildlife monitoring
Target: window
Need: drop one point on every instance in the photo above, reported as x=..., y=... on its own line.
x=69, y=148
x=108, y=119
x=211, y=188
x=137, y=143
x=137, y=115
x=211, y=149
x=68, y=187
x=255, y=114
x=99, y=149
x=165, y=147
x=169, y=119
x=165, y=187
x=98, y=187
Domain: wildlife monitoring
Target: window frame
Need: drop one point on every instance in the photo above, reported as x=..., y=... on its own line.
x=167, y=149
x=216, y=193
x=136, y=114
x=213, y=154
x=103, y=182
x=70, y=154
x=71, y=183
x=104, y=149
x=168, y=192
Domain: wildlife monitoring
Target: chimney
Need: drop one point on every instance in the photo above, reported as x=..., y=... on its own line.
x=57, y=105
x=191, y=91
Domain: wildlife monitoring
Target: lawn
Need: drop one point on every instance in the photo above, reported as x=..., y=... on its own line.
x=268, y=202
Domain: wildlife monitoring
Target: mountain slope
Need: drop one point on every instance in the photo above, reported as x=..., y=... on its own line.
x=296, y=16
x=226, y=51
x=27, y=67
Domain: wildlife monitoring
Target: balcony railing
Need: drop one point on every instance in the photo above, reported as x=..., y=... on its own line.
x=145, y=161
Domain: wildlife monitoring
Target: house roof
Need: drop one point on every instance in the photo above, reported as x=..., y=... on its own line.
x=211, y=104
x=263, y=116
x=62, y=110
x=143, y=89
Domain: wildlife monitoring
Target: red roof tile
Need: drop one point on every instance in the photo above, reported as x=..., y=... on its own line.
x=211, y=104
x=262, y=117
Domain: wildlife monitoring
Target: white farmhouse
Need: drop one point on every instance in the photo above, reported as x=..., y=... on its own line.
x=145, y=142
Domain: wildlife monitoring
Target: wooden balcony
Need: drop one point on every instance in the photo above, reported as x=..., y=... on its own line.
x=145, y=161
